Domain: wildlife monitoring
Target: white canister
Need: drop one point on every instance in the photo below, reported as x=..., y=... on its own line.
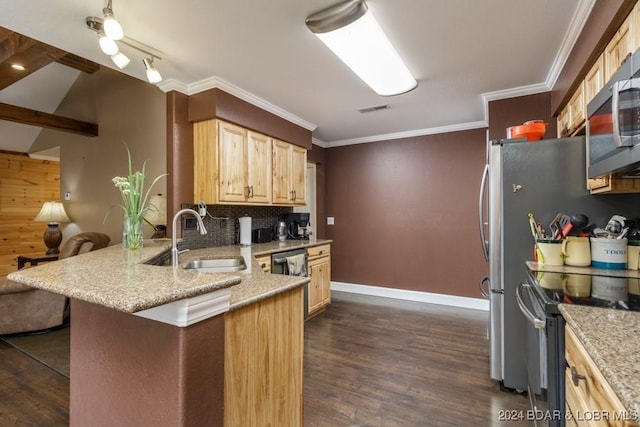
x=245, y=230
x=609, y=253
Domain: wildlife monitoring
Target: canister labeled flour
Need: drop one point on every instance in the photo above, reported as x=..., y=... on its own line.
x=609, y=253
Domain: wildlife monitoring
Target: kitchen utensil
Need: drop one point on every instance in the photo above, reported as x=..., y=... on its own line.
x=533, y=130
x=558, y=224
x=576, y=222
x=590, y=230
x=615, y=224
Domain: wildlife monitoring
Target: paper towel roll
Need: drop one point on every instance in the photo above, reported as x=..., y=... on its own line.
x=245, y=230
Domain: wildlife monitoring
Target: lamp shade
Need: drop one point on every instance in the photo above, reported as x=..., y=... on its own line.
x=52, y=212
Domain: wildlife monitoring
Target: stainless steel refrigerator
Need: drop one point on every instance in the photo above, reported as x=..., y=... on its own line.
x=545, y=178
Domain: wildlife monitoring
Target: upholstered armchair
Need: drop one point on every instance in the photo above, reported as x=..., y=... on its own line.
x=26, y=309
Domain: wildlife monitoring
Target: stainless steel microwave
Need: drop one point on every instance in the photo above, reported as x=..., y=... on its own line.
x=613, y=124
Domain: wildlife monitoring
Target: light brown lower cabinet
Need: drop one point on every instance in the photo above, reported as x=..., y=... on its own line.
x=265, y=263
x=320, y=278
x=590, y=399
x=264, y=361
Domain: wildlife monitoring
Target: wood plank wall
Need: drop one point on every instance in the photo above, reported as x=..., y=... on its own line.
x=25, y=184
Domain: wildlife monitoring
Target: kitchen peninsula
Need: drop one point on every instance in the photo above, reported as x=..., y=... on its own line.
x=127, y=369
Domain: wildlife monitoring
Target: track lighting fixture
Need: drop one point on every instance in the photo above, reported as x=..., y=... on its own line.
x=120, y=59
x=107, y=45
x=109, y=30
x=153, y=75
x=112, y=27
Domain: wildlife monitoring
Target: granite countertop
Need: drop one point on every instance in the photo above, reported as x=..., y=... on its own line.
x=119, y=279
x=612, y=339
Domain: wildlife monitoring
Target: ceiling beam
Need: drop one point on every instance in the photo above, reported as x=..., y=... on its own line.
x=49, y=121
x=79, y=63
x=33, y=55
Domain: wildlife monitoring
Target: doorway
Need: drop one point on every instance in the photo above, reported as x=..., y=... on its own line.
x=311, y=199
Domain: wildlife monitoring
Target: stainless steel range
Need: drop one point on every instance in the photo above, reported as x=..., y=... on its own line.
x=538, y=299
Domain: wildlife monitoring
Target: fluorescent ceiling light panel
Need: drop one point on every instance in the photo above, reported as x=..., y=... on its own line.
x=363, y=46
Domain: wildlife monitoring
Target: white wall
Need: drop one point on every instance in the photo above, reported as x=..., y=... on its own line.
x=126, y=110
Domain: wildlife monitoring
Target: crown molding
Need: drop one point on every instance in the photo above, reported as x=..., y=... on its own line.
x=571, y=37
x=408, y=134
x=217, y=82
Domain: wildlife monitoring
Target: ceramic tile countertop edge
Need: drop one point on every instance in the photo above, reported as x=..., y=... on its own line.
x=611, y=338
x=119, y=279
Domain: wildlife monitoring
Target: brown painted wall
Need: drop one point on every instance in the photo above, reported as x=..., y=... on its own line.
x=179, y=154
x=131, y=371
x=515, y=111
x=216, y=103
x=406, y=213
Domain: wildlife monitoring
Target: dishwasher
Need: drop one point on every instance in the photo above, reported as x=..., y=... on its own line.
x=279, y=265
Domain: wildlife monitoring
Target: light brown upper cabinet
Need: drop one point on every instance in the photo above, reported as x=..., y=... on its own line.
x=231, y=164
x=594, y=80
x=289, y=173
x=620, y=46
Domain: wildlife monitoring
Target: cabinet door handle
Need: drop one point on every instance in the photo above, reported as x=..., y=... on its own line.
x=247, y=191
x=251, y=191
x=575, y=377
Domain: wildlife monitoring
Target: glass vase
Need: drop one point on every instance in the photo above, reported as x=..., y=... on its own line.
x=132, y=232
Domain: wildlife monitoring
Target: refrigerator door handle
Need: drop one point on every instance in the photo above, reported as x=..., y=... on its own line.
x=481, y=219
x=537, y=323
x=484, y=290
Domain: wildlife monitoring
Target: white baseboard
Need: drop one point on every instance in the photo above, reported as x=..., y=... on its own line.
x=442, y=299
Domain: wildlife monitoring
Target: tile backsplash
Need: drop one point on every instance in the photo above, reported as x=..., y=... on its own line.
x=222, y=224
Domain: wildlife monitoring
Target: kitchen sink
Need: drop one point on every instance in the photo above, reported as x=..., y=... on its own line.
x=216, y=265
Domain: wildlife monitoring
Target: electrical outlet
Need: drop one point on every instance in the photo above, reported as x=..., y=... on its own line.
x=190, y=223
x=330, y=220
x=67, y=196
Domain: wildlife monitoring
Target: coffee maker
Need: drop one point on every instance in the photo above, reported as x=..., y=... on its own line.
x=297, y=225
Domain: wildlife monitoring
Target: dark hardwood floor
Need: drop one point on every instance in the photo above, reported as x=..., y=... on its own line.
x=369, y=361
x=31, y=394
x=379, y=362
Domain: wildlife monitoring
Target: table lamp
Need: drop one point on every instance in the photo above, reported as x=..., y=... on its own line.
x=157, y=218
x=52, y=213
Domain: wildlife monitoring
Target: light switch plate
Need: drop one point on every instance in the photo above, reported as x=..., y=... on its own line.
x=330, y=220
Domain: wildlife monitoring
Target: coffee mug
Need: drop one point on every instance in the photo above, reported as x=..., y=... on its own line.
x=576, y=251
x=633, y=255
x=609, y=253
x=550, y=251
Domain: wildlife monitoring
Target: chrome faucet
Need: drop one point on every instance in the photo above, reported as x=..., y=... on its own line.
x=174, y=239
